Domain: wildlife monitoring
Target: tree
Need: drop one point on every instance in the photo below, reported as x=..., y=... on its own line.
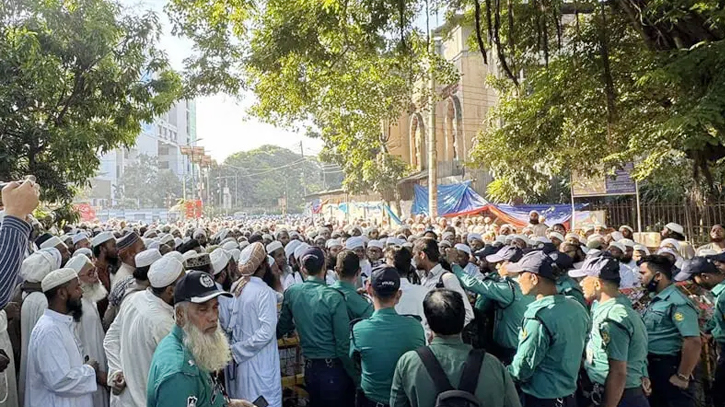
x=258, y=178
x=143, y=184
x=78, y=77
x=342, y=66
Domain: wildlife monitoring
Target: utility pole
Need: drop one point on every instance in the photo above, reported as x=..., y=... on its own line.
x=432, y=150
x=302, y=171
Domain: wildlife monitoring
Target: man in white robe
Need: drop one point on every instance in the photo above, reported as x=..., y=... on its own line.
x=34, y=304
x=57, y=375
x=255, y=370
x=145, y=318
x=89, y=329
x=11, y=400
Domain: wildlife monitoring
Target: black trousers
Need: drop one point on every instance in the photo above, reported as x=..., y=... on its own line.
x=363, y=401
x=328, y=384
x=718, y=385
x=664, y=394
x=528, y=400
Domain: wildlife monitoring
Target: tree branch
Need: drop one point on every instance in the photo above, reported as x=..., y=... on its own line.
x=479, y=38
x=499, y=47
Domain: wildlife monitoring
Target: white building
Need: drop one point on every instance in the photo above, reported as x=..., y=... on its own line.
x=161, y=139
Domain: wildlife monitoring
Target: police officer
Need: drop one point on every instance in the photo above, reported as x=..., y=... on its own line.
x=175, y=379
x=412, y=383
x=707, y=275
x=320, y=315
x=348, y=271
x=504, y=295
x=616, y=352
x=564, y=284
x=551, y=341
x=382, y=339
x=673, y=335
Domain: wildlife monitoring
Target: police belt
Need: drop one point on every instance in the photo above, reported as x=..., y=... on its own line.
x=596, y=394
x=326, y=362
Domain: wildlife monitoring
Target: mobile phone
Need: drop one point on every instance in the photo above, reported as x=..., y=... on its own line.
x=260, y=402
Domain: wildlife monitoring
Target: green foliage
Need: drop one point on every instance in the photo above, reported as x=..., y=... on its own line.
x=78, y=77
x=258, y=178
x=341, y=67
x=145, y=185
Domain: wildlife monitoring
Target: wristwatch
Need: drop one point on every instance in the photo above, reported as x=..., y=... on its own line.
x=683, y=377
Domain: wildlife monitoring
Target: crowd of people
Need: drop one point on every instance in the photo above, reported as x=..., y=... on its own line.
x=466, y=311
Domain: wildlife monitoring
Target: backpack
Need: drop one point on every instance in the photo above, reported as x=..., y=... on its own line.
x=447, y=396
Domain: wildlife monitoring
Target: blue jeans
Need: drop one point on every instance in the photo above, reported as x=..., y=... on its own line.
x=634, y=401
x=328, y=384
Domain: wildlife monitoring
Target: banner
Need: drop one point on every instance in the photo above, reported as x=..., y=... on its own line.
x=86, y=211
x=621, y=183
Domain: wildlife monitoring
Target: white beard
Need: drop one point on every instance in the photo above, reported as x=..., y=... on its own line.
x=211, y=351
x=94, y=292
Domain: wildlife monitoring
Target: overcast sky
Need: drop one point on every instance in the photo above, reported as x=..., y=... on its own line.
x=221, y=122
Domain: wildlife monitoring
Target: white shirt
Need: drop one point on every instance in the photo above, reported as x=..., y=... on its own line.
x=33, y=307
x=450, y=281
x=290, y=278
x=627, y=277
x=539, y=229
x=411, y=302
x=473, y=271
x=56, y=374
x=256, y=363
x=331, y=277
x=123, y=272
x=143, y=321
x=12, y=394
x=89, y=332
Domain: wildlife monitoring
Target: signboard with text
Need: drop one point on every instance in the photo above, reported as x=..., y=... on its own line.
x=619, y=183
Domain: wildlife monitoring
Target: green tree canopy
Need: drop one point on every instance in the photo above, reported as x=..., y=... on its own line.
x=77, y=78
x=144, y=185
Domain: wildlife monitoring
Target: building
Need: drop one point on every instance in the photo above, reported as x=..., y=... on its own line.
x=161, y=139
x=460, y=114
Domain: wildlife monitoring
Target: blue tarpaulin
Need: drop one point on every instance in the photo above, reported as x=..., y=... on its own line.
x=455, y=198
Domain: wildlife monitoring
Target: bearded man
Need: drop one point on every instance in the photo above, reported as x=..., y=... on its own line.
x=180, y=372
x=144, y=320
x=255, y=369
x=89, y=329
x=717, y=240
x=107, y=262
x=536, y=225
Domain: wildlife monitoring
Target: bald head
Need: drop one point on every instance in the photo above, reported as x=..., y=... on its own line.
x=444, y=311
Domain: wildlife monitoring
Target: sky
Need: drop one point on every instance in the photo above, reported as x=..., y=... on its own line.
x=222, y=124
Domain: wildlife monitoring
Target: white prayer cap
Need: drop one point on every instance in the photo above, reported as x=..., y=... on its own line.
x=219, y=260
x=164, y=272
x=354, y=242
x=84, y=251
x=626, y=227
x=276, y=245
x=668, y=250
x=149, y=232
x=533, y=212
x=267, y=236
x=230, y=245
x=153, y=245
x=290, y=248
x=178, y=242
x=300, y=250
x=190, y=254
x=52, y=242
x=474, y=236
x=57, y=278
x=671, y=241
x=175, y=255
x=542, y=239
x=556, y=235
x=501, y=239
x=37, y=266
x=593, y=238
x=101, y=238
x=462, y=247
x=376, y=243
x=166, y=239
x=79, y=237
x=235, y=253
x=627, y=242
x=641, y=248
x=617, y=236
x=147, y=257
x=243, y=244
x=78, y=262
x=572, y=235
x=198, y=232
x=618, y=245
x=675, y=227
x=446, y=235
x=333, y=243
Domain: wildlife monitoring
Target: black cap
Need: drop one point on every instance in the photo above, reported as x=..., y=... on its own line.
x=604, y=267
x=313, y=258
x=717, y=257
x=197, y=287
x=510, y=253
x=695, y=266
x=486, y=251
x=536, y=262
x=385, y=280
x=562, y=260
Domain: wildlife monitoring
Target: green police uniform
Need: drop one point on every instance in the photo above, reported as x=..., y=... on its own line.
x=716, y=325
x=176, y=381
x=618, y=333
x=550, y=347
x=669, y=317
x=381, y=340
x=357, y=306
x=413, y=386
x=321, y=318
x=505, y=294
x=567, y=286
